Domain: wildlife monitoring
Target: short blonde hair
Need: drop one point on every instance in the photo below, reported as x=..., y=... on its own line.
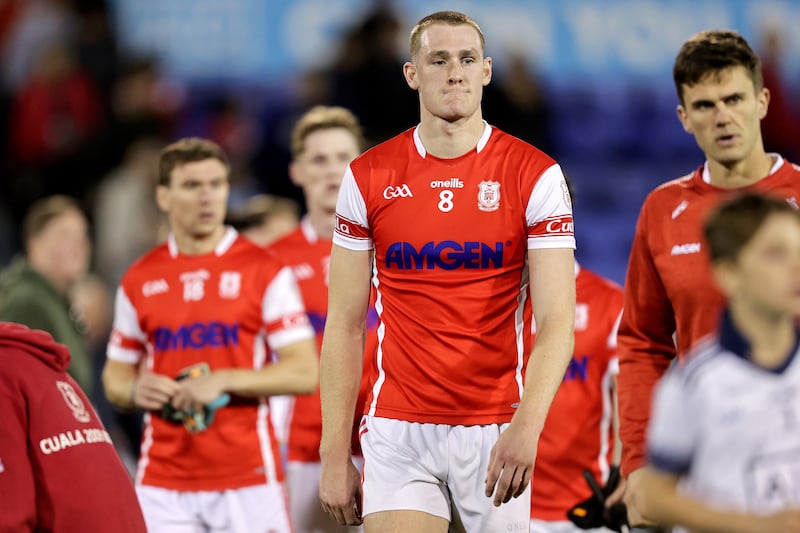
x=324, y=118
x=453, y=18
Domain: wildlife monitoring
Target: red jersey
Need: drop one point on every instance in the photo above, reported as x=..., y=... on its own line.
x=59, y=470
x=669, y=290
x=309, y=256
x=451, y=238
x=579, y=433
x=227, y=308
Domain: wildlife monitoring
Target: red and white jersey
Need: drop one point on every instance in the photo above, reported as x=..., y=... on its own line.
x=451, y=238
x=309, y=256
x=227, y=308
x=670, y=296
x=579, y=433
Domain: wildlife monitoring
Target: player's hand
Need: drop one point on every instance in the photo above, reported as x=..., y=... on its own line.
x=195, y=393
x=618, y=494
x=153, y=391
x=340, y=491
x=785, y=521
x=511, y=463
x=632, y=499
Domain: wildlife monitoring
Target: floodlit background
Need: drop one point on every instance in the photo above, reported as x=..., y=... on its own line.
x=92, y=89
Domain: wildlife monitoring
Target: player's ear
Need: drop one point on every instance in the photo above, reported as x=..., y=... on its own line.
x=762, y=97
x=410, y=73
x=487, y=70
x=162, y=198
x=726, y=277
x=293, y=174
x=683, y=117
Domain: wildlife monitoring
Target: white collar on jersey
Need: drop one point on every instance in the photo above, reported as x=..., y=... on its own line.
x=309, y=232
x=778, y=164
x=222, y=246
x=487, y=132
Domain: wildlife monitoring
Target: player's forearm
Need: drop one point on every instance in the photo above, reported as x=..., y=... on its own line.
x=118, y=383
x=296, y=372
x=664, y=505
x=340, y=377
x=546, y=366
x=639, y=373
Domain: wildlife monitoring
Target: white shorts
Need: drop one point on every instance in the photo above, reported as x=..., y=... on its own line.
x=256, y=509
x=305, y=509
x=561, y=526
x=437, y=469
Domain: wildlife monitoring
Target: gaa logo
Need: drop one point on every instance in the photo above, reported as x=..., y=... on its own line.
x=401, y=191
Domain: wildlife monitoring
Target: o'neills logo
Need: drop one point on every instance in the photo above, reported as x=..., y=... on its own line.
x=452, y=183
x=73, y=401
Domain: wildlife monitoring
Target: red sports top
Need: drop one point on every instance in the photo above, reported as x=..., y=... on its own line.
x=59, y=470
x=451, y=239
x=227, y=308
x=579, y=433
x=669, y=290
x=309, y=256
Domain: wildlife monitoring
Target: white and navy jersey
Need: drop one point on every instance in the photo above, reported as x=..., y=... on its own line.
x=731, y=428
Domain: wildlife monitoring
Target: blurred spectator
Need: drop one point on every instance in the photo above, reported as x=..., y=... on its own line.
x=34, y=289
x=779, y=127
x=275, y=154
x=371, y=57
x=143, y=104
x=96, y=46
x=55, y=110
x=265, y=218
x=53, y=117
x=238, y=133
x=35, y=25
x=515, y=102
x=128, y=193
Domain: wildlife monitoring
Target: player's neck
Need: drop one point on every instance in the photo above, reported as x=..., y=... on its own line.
x=742, y=173
x=771, y=337
x=449, y=140
x=198, y=244
x=323, y=222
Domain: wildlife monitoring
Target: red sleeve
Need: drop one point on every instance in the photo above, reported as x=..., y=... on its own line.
x=17, y=492
x=645, y=343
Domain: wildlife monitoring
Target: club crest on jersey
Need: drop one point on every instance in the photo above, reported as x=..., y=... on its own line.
x=73, y=401
x=489, y=196
x=230, y=283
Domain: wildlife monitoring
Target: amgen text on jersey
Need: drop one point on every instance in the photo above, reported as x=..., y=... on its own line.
x=196, y=336
x=447, y=255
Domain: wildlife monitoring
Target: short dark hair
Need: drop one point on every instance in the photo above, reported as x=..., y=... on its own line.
x=44, y=210
x=452, y=18
x=188, y=150
x=733, y=223
x=710, y=52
